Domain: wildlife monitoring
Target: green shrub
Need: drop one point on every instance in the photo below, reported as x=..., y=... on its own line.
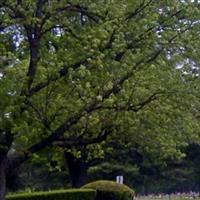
x=110, y=190
x=73, y=194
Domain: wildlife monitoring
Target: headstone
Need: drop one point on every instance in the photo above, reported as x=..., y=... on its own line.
x=119, y=179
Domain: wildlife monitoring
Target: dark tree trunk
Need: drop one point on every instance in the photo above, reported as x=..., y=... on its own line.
x=77, y=170
x=3, y=163
x=5, y=143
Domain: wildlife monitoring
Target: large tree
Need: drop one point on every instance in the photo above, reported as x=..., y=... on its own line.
x=72, y=66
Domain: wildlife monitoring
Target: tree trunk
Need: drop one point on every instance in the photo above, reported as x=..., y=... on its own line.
x=3, y=163
x=77, y=170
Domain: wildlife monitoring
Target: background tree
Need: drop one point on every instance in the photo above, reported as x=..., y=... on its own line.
x=58, y=55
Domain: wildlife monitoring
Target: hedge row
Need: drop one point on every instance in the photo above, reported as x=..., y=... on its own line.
x=73, y=194
x=98, y=190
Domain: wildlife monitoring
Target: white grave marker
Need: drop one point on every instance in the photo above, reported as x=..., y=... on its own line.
x=119, y=179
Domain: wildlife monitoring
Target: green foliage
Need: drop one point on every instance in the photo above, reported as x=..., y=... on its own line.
x=72, y=69
x=107, y=190
x=88, y=51
x=77, y=194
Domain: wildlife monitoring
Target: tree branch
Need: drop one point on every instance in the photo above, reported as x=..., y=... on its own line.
x=84, y=141
x=132, y=107
x=81, y=9
x=139, y=9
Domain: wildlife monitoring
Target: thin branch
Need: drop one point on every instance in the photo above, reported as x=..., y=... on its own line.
x=136, y=107
x=41, y=116
x=80, y=9
x=139, y=9
x=84, y=141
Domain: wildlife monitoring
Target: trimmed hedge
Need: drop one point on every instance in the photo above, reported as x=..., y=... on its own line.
x=73, y=194
x=110, y=190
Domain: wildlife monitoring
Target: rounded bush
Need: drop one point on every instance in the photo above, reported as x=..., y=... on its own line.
x=110, y=190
